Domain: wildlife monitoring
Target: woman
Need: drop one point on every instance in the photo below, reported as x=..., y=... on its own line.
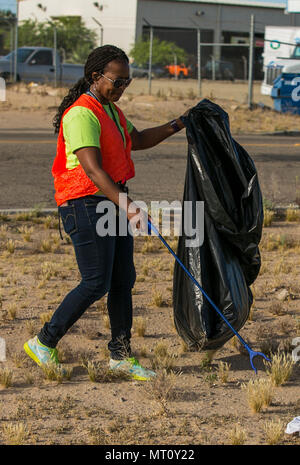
x=92, y=164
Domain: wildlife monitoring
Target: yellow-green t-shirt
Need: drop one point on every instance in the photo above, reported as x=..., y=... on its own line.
x=81, y=128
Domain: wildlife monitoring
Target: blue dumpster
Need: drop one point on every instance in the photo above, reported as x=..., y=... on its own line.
x=286, y=93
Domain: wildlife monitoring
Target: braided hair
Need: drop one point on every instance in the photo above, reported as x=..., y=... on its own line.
x=96, y=62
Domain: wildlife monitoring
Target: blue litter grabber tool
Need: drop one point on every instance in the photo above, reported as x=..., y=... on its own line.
x=252, y=353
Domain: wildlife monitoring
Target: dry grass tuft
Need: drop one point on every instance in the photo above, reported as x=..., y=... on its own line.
x=19, y=359
x=157, y=298
x=277, y=308
x=280, y=368
x=283, y=267
x=45, y=246
x=98, y=437
x=102, y=374
x=10, y=246
x=26, y=232
x=31, y=328
x=45, y=317
x=223, y=372
x=6, y=377
x=237, y=436
x=259, y=393
x=12, y=311
x=106, y=321
x=161, y=388
x=54, y=372
x=163, y=359
x=50, y=222
x=292, y=215
x=15, y=434
x=101, y=306
x=139, y=326
x=150, y=245
x=268, y=217
x=273, y=431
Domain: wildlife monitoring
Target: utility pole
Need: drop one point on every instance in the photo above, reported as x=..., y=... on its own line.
x=150, y=57
x=101, y=30
x=251, y=62
x=44, y=9
x=16, y=43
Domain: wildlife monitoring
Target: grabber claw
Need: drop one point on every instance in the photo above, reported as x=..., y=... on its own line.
x=252, y=354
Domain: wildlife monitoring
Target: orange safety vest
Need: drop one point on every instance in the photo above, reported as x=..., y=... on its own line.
x=116, y=158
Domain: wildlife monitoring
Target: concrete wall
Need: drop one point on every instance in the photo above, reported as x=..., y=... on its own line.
x=232, y=18
x=118, y=17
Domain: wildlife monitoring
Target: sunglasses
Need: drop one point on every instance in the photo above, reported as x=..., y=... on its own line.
x=120, y=82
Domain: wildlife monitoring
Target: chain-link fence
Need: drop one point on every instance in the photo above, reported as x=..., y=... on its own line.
x=238, y=59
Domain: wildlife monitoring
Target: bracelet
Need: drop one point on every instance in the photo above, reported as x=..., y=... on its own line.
x=174, y=125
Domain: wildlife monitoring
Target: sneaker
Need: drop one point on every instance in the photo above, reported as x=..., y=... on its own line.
x=40, y=353
x=131, y=366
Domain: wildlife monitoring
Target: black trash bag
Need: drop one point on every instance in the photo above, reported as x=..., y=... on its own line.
x=222, y=174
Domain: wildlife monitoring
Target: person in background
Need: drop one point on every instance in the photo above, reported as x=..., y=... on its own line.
x=92, y=164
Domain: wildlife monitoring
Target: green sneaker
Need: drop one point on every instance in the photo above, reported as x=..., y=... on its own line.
x=131, y=366
x=40, y=353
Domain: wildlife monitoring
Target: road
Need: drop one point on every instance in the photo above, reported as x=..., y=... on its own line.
x=27, y=156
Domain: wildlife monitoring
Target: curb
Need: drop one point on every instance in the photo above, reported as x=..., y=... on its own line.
x=283, y=133
x=270, y=134
x=13, y=211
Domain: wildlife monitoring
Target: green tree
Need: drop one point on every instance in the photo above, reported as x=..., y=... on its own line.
x=7, y=21
x=162, y=53
x=73, y=37
x=7, y=14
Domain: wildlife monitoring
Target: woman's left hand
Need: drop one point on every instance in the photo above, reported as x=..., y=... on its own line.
x=186, y=113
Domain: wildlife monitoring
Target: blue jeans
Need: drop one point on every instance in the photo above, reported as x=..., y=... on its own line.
x=106, y=265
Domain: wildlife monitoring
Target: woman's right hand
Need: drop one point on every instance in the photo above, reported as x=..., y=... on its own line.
x=139, y=217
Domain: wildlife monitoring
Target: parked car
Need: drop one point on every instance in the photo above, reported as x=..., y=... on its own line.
x=139, y=71
x=37, y=64
x=223, y=70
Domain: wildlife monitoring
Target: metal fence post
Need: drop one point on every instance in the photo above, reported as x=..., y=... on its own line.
x=16, y=44
x=251, y=63
x=175, y=67
x=55, y=54
x=213, y=68
x=150, y=55
x=199, y=61
x=11, y=50
x=150, y=61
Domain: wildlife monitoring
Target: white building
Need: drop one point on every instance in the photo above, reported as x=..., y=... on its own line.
x=220, y=21
x=122, y=20
x=118, y=17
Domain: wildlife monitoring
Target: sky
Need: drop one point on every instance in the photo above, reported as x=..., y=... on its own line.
x=8, y=5
x=11, y=4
